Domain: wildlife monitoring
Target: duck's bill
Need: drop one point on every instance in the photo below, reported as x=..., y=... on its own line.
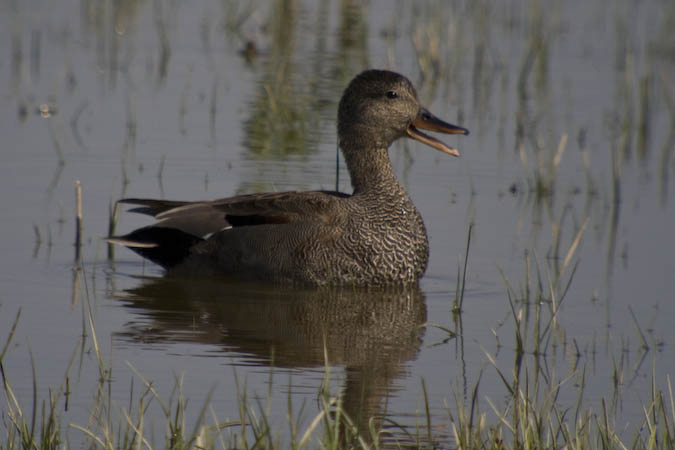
x=427, y=121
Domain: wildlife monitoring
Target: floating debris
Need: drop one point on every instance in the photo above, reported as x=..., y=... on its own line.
x=46, y=110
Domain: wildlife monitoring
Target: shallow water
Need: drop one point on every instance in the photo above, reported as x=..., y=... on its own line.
x=157, y=99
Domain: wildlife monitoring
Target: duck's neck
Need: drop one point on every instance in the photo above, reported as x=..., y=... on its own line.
x=370, y=171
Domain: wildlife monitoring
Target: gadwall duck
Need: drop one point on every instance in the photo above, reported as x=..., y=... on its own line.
x=374, y=236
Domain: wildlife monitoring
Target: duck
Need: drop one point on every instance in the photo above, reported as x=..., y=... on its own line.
x=373, y=236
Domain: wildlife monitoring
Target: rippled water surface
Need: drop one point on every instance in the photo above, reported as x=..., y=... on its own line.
x=564, y=183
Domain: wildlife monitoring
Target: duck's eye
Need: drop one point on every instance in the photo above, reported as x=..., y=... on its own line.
x=392, y=94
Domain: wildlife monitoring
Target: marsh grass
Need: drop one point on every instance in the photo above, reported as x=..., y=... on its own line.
x=113, y=219
x=533, y=417
x=532, y=413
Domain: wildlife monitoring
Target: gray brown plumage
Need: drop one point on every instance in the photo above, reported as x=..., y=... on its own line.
x=374, y=236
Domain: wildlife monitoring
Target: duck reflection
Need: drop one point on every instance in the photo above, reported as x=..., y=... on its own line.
x=371, y=332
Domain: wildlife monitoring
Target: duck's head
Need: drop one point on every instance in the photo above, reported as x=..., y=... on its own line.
x=380, y=106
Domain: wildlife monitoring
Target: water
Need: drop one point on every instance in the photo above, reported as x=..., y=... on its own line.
x=158, y=100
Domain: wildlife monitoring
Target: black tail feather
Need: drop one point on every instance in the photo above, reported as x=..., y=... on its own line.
x=167, y=247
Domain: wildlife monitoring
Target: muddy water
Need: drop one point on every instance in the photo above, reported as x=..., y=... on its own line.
x=564, y=181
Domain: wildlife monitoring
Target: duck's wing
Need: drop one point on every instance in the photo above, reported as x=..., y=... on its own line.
x=201, y=219
x=180, y=225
